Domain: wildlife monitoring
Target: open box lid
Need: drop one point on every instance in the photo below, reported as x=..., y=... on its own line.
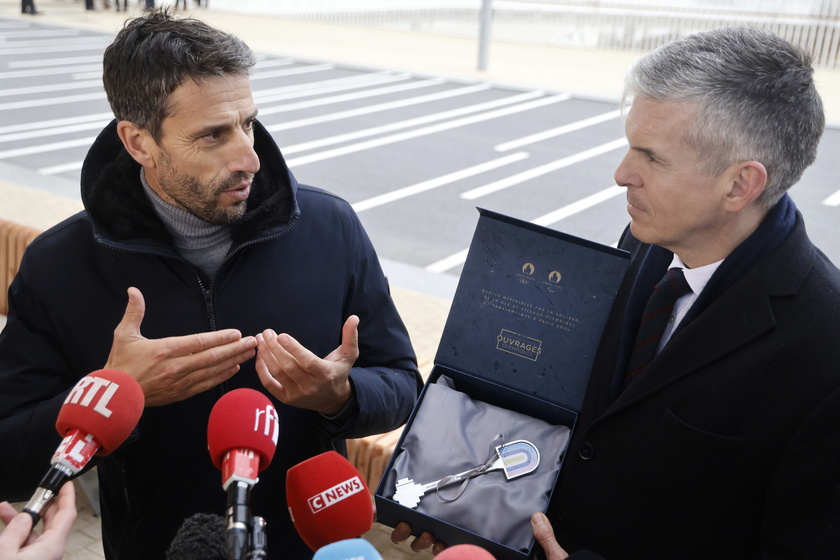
x=530, y=308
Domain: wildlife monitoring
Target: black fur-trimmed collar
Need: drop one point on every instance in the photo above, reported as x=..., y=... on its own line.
x=121, y=211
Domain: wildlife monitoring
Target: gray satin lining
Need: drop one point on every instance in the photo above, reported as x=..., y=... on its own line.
x=451, y=433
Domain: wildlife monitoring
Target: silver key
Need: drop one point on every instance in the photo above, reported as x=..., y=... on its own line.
x=516, y=459
x=409, y=492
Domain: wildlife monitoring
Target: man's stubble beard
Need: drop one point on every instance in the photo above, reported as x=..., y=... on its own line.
x=192, y=195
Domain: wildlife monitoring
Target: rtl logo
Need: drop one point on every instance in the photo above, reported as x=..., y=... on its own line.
x=94, y=392
x=75, y=450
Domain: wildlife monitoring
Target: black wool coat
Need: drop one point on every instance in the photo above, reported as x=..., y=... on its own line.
x=301, y=263
x=728, y=445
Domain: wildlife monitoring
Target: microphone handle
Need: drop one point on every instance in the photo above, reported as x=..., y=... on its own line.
x=47, y=490
x=259, y=542
x=238, y=519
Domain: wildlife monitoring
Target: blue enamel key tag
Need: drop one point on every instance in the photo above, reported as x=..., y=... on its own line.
x=518, y=458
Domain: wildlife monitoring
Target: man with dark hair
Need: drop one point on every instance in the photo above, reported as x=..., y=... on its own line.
x=191, y=211
x=717, y=434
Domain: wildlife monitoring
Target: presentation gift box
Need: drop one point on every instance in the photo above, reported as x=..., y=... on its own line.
x=483, y=447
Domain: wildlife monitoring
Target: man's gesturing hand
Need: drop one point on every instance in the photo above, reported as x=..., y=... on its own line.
x=299, y=378
x=175, y=368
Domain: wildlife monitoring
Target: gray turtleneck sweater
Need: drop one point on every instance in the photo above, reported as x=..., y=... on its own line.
x=203, y=244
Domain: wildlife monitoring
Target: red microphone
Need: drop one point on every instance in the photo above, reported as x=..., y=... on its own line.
x=242, y=436
x=98, y=414
x=464, y=552
x=328, y=500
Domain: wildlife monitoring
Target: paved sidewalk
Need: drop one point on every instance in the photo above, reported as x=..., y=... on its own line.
x=596, y=74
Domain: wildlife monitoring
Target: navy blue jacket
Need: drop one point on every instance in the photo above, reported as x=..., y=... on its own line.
x=301, y=264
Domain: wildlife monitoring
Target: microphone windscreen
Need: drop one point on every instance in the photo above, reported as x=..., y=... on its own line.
x=464, y=552
x=348, y=549
x=106, y=404
x=328, y=500
x=243, y=419
x=200, y=537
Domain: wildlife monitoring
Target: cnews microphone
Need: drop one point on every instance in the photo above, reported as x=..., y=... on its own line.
x=348, y=549
x=98, y=414
x=242, y=436
x=464, y=552
x=328, y=500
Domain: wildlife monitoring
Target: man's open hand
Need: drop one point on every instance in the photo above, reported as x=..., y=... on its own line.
x=175, y=368
x=298, y=377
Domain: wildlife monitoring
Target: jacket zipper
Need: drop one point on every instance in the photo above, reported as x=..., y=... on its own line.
x=208, y=292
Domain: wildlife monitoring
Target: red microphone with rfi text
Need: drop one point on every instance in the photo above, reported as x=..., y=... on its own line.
x=98, y=415
x=242, y=436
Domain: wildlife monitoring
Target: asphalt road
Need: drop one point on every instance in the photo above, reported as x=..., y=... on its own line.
x=414, y=154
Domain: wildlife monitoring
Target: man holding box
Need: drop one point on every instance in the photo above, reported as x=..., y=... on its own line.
x=716, y=433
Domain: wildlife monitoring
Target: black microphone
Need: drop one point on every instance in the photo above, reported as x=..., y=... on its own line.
x=202, y=537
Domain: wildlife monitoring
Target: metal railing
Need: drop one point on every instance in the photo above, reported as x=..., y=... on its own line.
x=630, y=25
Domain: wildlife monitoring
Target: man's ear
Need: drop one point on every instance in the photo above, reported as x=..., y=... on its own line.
x=138, y=143
x=748, y=179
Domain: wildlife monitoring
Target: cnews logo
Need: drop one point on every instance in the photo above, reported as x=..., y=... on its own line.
x=332, y=496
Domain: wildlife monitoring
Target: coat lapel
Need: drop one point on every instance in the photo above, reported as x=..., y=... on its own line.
x=740, y=315
x=715, y=333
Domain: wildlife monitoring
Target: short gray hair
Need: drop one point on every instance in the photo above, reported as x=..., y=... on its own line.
x=755, y=98
x=153, y=54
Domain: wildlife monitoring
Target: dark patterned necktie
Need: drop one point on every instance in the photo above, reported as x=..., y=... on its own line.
x=655, y=319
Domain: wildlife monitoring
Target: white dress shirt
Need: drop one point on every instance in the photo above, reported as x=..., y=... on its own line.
x=697, y=279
